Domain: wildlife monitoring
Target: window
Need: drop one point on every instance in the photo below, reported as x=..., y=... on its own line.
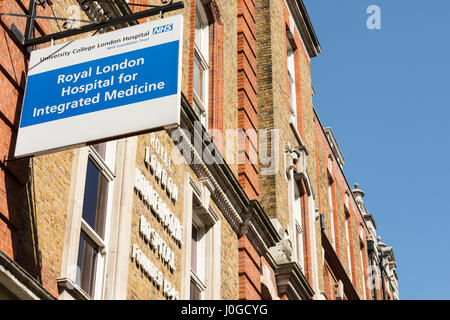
x=347, y=238
x=362, y=272
x=201, y=262
x=89, y=214
x=198, y=262
x=330, y=203
x=330, y=164
x=298, y=225
x=201, y=65
x=291, y=80
x=92, y=239
x=347, y=197
x=87, y=264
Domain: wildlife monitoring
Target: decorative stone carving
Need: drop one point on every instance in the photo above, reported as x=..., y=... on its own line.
x=207, y=189
x=282, y=251
x=243, y=228
x=359, y=194
x=203, y=209
x=300, y=165
x=214, y=9
x=201, y=170
x=296, y=159
x=291, y=159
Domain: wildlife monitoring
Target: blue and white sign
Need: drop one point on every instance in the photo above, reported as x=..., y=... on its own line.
x=115, y=84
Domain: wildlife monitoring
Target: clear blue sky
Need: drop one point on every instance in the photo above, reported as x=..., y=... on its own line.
x=386, y=95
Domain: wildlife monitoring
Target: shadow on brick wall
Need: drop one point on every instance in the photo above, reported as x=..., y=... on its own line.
x=17, y=200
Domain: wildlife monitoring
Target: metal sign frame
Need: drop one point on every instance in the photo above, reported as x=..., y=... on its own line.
x=121, y=107
x=28, y=41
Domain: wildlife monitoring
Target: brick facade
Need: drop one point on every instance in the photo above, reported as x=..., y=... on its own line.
x=246, y=197
x=247, y=98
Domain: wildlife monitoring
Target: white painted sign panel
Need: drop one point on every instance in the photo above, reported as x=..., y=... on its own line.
x=105, y=86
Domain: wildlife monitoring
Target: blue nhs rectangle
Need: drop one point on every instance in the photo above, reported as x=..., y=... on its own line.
x=164, y=28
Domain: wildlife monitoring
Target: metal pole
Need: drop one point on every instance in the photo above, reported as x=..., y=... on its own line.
x=29, y=29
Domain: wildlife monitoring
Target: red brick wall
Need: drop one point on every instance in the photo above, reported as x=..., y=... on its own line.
x=249, y=271
x=215, y=85
x=339, y=188
x=215, y=116
x=248, y=168
x=299, y=54
x=18, y=227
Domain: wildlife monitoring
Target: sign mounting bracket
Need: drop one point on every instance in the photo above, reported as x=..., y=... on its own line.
x=28, y=41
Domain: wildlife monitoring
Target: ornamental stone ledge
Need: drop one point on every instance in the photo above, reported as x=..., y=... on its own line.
x=289, y=276
x=68, y=290
x=292, y=283
x=19, y=282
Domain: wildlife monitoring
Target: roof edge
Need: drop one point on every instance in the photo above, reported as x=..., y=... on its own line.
x=303, y=22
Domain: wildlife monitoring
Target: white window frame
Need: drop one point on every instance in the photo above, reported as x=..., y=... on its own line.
x=201, y=52
x=298, y=212
x=346, y=201
x=300, y=247
x=363, y=272
x=330, y=204
x=208, y=222
x=291, y=88
x=347, y=238
x=361, y=233
x=76, y=223
x=330, y=165
x=198, y=277
x=106, y=168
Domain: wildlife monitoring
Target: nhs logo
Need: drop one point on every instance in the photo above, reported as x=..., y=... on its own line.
x=164, y=28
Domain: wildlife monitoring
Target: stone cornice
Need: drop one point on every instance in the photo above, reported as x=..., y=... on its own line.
x=244, y=215
x=334, y=145
x=292, y=282
x=305, y=27
x=65, y=284
x=261, y=229
x=219, y=196
x=369, y=217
